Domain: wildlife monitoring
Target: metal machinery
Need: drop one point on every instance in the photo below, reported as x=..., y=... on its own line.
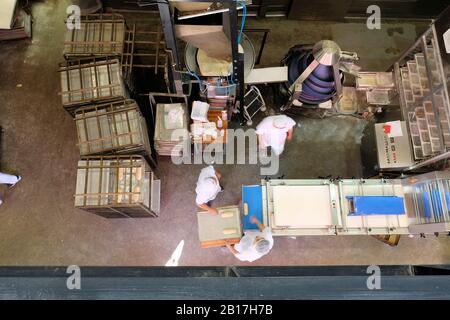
x=172, y=18
x=314, y=73
x=422, y=85
x=328, y=207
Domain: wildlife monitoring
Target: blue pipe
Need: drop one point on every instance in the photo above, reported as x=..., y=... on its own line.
x=196, y=77
x=244, y=15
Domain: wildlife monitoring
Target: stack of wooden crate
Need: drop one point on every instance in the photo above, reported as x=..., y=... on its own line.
x=114, y=178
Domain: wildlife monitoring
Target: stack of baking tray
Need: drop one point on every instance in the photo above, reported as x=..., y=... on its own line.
x=98, y=35
x=117, y=187
x=423, y=126
x=107, y=34
x=116, y=127
x=93, y=71
x=171, y=136
x=422, y=97
x=90, y=80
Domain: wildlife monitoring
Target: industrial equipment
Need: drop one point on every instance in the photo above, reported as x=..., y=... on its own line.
x=422, y=77
x=314, y=74
x=418, y=86
x=352, y=206
x=394, y=151
x=211, y=44
x=192, y=61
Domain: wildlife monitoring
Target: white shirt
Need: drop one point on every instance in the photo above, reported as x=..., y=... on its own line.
x=246, y=247
x=207, y=189
x=273, y=136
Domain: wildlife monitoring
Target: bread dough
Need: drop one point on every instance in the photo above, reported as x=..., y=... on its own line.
x=210, y=66
x=227, y=214
x=213, y=67
x=229, y=231
x=302, y=206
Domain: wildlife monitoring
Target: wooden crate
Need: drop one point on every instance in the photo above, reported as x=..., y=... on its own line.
x=117, y=187
x=210, y=228
x=90, y=80
x=112, y=128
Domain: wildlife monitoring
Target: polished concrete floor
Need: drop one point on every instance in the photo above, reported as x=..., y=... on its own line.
x=39, y=225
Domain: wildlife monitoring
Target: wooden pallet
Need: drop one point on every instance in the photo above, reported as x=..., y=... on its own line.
x=219, y=243
x=390, y=239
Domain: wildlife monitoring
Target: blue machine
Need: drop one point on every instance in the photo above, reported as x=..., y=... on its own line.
x=252, y=199
x=434, y=203
x=376, y=205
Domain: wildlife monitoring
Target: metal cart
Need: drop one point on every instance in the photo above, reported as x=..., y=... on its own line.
x=117, y=187
x=115, y=127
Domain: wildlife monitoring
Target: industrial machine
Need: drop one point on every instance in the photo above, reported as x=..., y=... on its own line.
x=422, y=77
x=315, y=73
x=215, y=50
x=421, y=85
x=413, y=205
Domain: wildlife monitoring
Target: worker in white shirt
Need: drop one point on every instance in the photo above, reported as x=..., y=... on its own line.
x=9, y=179
x=254, y=244
x=208, y=186
x=273, y=131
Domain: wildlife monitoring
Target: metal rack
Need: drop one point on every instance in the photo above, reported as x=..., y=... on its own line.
x=427, y=198
x=117, y=187
x=253, y=103
x=422, y=80
x=99, y=35
x=115, y=127
x=109, y=35
x=90, y=80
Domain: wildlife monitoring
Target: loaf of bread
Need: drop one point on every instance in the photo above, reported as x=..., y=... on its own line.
x=245, y=209
x=229, y=231
x=227, y=214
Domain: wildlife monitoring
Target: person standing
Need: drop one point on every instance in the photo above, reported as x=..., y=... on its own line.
x=273, y=131
x=10, y=180
x=208, y=186
x=254, y=244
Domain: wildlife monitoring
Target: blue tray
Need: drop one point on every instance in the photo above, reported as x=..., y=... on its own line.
x=252, y=196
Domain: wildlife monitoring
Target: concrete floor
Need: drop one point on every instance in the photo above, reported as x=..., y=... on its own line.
x=39, y=225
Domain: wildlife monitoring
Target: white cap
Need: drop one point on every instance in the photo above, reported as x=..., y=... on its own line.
x=280, y=122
